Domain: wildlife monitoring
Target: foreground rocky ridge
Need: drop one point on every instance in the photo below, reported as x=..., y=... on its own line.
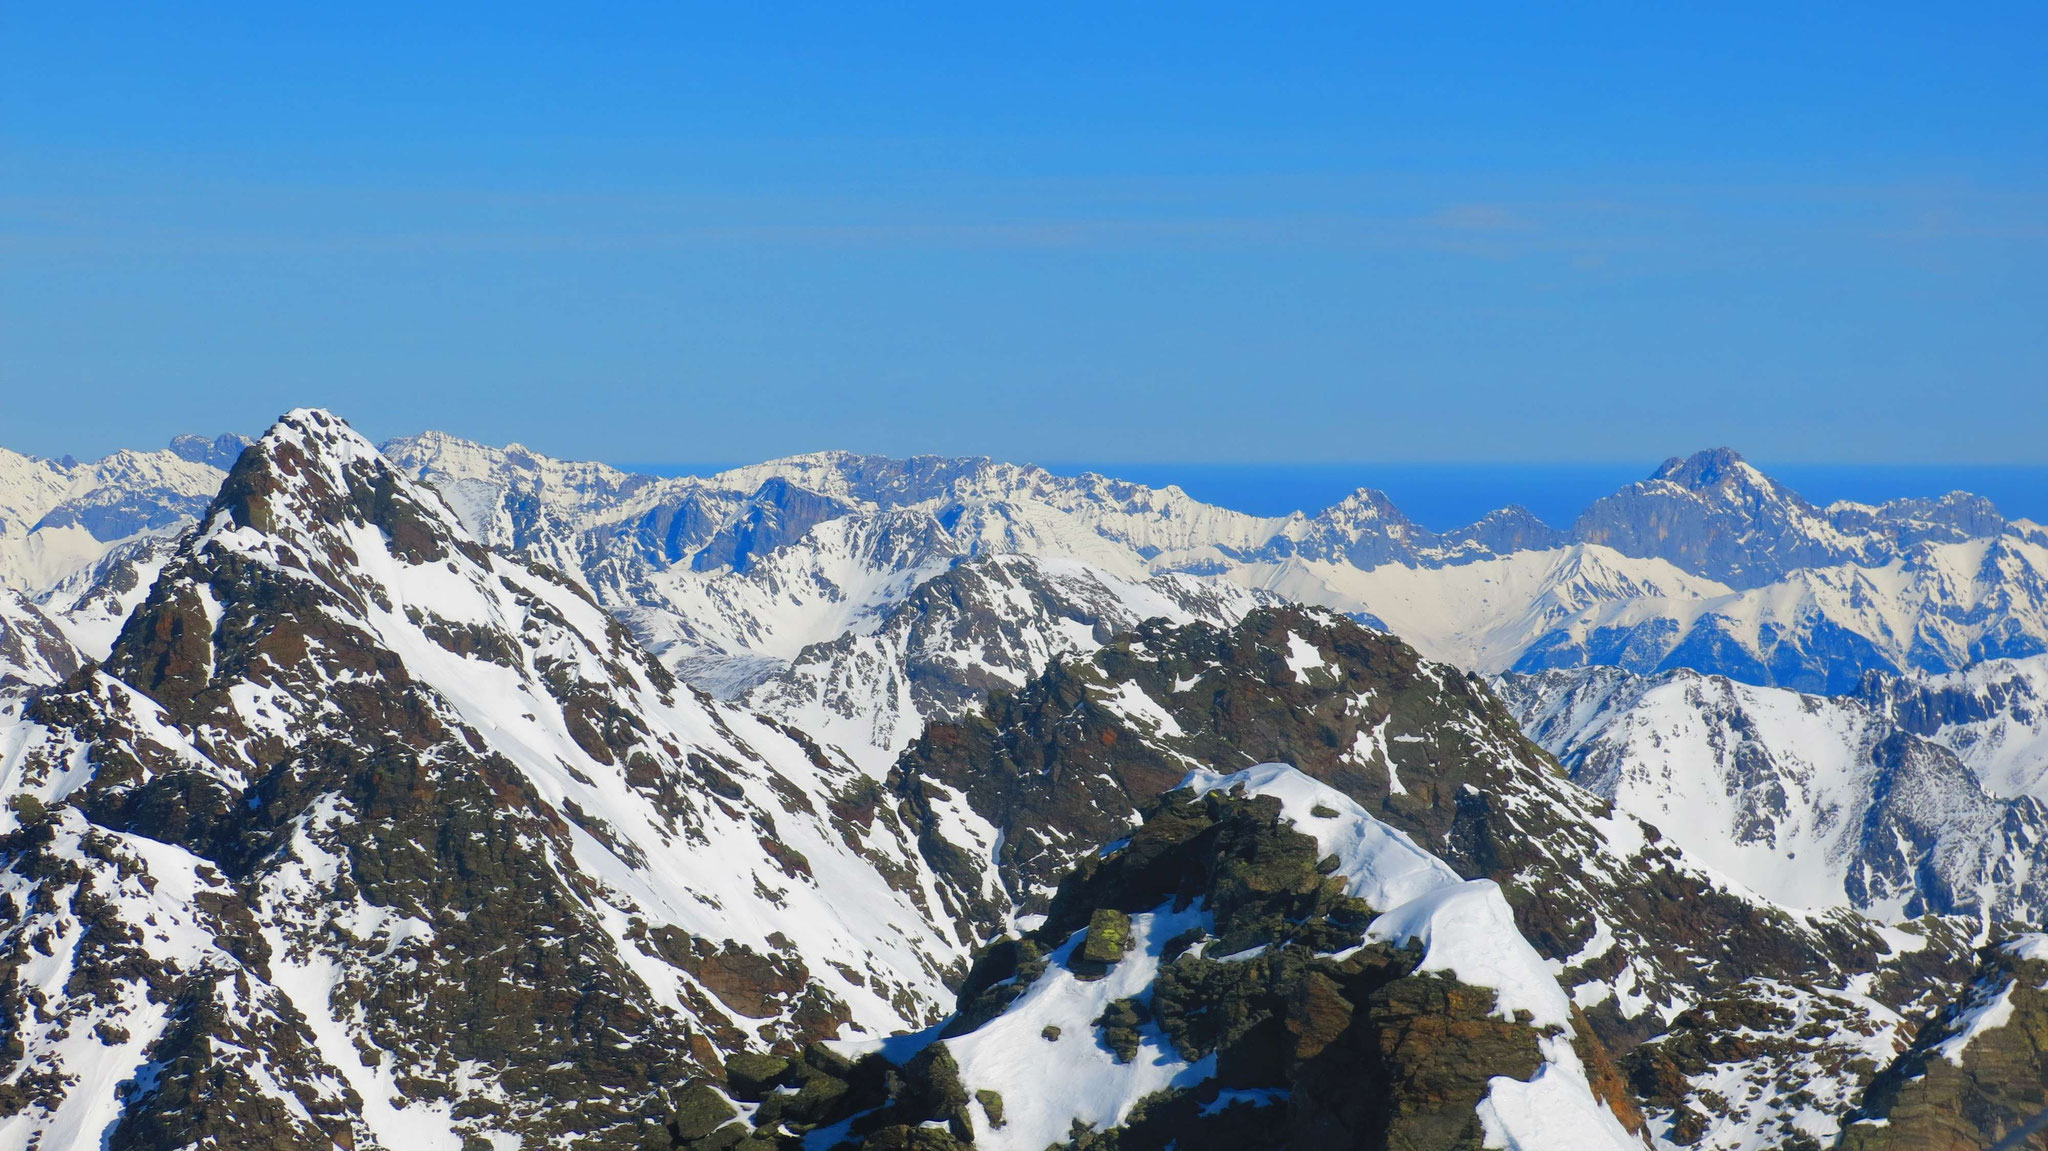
x=1259, y=964
x=1641, y=936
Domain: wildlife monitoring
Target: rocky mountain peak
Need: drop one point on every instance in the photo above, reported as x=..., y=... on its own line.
x=1713, y=514
x=488, y=867
x=1714, y=468
x=221, y=451
x=312, y=477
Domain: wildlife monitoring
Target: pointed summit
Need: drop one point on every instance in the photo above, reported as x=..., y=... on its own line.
x=1712, y=468
x=516, y=882
x=1714, y=514
x=312, y=476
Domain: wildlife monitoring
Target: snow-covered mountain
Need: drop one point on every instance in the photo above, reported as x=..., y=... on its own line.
x=1709, y=564
x=368, y=835
x=1808, y=800
x=1024, y=812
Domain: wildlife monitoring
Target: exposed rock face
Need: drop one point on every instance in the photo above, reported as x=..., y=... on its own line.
x=1976, y=1074
x=1053, y=769
x=366, y=835
x=1281, y=1011
x=33, y=651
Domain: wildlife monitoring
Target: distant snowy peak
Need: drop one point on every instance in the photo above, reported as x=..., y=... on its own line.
x=219, y=452
x=1714, y=514
x=1711, y=514
x=1707, y=564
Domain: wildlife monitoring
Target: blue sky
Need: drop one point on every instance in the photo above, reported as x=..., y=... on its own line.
x=1104, y=232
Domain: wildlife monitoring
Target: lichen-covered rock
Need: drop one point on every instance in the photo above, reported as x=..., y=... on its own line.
x=1109, y=936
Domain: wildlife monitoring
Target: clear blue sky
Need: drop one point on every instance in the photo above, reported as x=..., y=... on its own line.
x=1105, y=231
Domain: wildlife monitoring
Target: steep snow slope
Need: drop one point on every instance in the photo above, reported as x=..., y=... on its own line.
x=441, y=787
x=983, y=624
x=1813, y=802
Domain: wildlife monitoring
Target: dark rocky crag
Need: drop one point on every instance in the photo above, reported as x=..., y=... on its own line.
x=1319, y=1040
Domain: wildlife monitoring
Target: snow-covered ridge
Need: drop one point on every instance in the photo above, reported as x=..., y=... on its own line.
x=1708, y=564
x=58, y=516
x=1811, y=801
x=1467, y=932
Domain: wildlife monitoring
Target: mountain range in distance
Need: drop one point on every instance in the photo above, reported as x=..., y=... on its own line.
x=1450, y=494
x=1708, y=564
x=444, y=795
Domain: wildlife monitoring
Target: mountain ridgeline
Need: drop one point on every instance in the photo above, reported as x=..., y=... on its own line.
x=439, y=796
